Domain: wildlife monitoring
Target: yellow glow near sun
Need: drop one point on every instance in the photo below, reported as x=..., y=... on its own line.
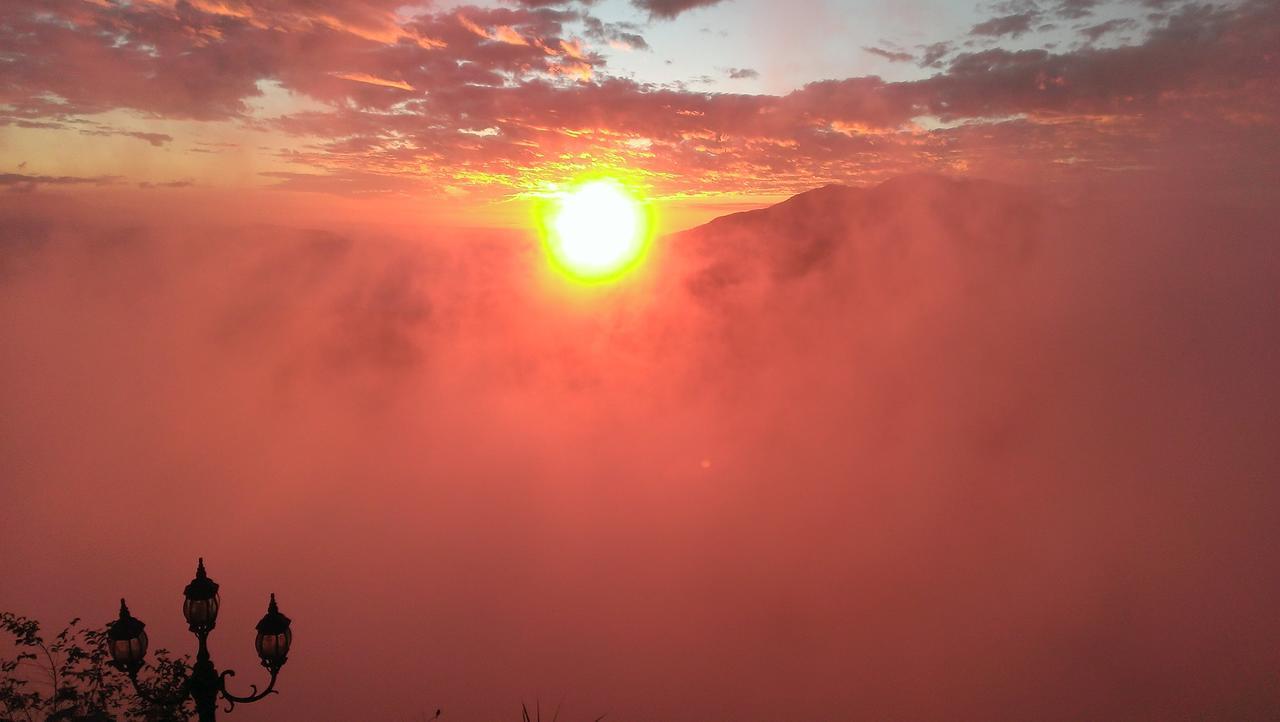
x=596, y=230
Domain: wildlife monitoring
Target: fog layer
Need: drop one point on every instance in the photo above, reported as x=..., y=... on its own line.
x=933, y=450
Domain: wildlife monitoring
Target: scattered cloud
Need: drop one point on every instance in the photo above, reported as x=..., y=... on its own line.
x=388, y=113
x=1076, y=9
x=21, y=182
x=184, y=183
x=1011, y=25
x=1094, y=32
x=620, y=36
x=156, y=139
x=668, y=9
x=934, y=53
x=893, y=56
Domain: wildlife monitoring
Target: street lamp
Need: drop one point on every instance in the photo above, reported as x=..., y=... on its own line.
x=127, y=642
x=200, y=602
x=274, y=638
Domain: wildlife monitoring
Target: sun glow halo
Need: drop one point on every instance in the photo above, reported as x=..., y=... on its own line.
x=596, y=230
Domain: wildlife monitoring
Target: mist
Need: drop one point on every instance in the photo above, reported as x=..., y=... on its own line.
x=931, y=450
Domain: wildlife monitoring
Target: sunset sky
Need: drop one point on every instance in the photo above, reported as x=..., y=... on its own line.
x=679, y=360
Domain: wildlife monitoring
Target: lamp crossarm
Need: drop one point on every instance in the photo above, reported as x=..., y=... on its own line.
x=253, y=696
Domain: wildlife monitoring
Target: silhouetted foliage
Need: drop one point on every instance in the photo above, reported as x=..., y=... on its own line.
x=69, y=678
x=537, y=716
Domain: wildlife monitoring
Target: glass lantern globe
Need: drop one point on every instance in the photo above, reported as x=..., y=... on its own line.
x=127, y=641
x=201, y=601
x=274, y=637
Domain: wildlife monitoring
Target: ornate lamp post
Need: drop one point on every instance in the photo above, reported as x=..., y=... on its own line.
x=127, y=642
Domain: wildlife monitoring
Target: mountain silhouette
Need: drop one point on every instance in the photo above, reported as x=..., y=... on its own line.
x=923, y=220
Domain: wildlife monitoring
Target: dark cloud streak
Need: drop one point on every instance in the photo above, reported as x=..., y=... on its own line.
x=1011, y=25
x=892, y=56
x=669, y=9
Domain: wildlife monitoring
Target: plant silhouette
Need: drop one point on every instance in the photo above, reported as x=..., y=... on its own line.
x=70, y=678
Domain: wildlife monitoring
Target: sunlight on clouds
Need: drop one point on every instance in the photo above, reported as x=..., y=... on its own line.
x=374, y=80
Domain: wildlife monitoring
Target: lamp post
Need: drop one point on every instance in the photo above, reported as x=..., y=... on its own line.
x=127, y=642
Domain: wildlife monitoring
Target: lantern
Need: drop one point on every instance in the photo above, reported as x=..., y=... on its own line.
x=200, y=606
x=127, y=641
x=274, y=637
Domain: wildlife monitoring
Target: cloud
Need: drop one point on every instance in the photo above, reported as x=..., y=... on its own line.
x=1012, y=25
x=20, y=182
x=892, y=56
x=1075, y=9
x=183, y=183
x=669, y=9
x=1094, y=32
x=151, y=59
x=934, y=53
x=386, y=115
x=620, y=36
x=155, y=139
x=1141, y=98
x=742, y=73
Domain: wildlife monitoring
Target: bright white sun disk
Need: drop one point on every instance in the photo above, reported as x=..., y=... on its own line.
x=597, y=229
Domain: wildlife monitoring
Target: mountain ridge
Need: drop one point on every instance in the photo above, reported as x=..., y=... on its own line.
x=928, y=217
x=833, y=192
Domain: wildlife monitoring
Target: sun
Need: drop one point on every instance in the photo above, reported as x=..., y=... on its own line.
x=596, y=230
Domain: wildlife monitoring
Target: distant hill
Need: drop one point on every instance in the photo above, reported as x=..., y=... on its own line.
x=920, y=219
